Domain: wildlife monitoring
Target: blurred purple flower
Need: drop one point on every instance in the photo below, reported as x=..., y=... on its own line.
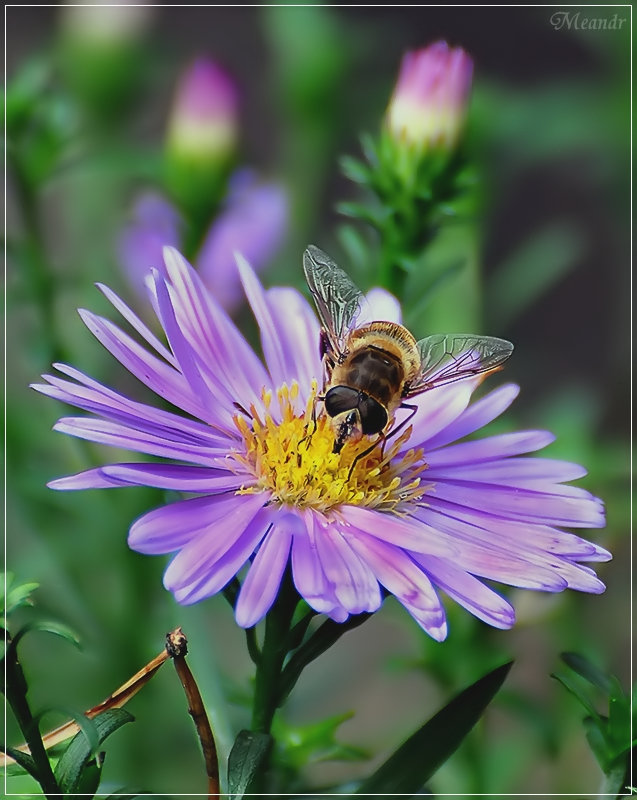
x=429, y=102
x=155, y=224
x=429, y=514
x=253, y=222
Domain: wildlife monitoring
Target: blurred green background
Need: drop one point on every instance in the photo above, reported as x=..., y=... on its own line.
x=549, y=125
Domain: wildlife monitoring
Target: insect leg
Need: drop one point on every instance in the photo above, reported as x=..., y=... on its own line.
x=405, y=422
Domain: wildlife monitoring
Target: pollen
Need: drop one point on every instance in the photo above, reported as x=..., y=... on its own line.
x=290, y=455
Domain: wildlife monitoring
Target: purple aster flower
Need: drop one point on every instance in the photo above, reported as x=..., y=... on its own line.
x=433, y=513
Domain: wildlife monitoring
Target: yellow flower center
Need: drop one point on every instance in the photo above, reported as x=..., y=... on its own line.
x=294, y=460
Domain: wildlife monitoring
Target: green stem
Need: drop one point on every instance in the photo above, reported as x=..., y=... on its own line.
x=16, y=691
x=273, y=653
x=39, y=278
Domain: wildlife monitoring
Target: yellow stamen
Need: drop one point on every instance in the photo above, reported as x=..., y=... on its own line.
x=294, y=460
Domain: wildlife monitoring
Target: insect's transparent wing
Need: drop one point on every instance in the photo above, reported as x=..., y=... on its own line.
x=445, y=358
x=338, y=300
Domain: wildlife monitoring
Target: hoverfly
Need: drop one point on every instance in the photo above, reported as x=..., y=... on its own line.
x=372, y=369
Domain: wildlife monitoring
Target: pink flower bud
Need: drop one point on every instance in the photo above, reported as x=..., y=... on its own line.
x=203, y=123
x=429, y=102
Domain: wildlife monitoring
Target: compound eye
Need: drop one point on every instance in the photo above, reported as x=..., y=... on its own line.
x=373, y=416
x=340, y=399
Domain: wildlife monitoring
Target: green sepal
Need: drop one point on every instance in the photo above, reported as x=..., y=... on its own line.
x=71, y=766
x=415, y=761
x=248, y=752
x=355, y=170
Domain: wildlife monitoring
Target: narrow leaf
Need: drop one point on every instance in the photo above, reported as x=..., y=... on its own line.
x=24, y=760
x=579, y=694
x=68, y=772
x=248, y=751
x=429, y=747
x=587, y=670
x=47, y=626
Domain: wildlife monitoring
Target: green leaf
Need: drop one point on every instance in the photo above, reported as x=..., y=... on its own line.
x=16, y=595
x=587, y=670
x=247, y=754
x=306, y=744
x=579, y=694
x=429, y=747
x=47, y=626
x=70, y=768
x=23, y=760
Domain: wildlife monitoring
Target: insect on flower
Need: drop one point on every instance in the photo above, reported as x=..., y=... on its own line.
x=371, y=370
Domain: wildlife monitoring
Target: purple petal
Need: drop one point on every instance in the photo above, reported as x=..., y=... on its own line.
x=434, y=622
x=176, y=477
x=380, y=306
x=298, y=331
x=518, y=563
x=513, y=535
x=354, y=584
x=92, y=396
x=263, y=580
x=213, y=335
x=397, y=572
x=162, y=476
x=469, y=592
x=437, y=409
x=136, y=323
x=476, y=416
x=181, y=349
x=88, y=479
x=173, y=526
x=566, y=506
x=156, y=374
x=278, y=367
x=308, y=574
x=224, y=526
x=490, y=448
x=130, y=438
x=511, y=472
x=399, y=531
x=219, y=571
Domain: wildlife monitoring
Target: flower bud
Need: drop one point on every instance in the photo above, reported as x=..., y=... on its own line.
x=200, y=142
x=428, y=106
x=101, y=54
x=203, y=122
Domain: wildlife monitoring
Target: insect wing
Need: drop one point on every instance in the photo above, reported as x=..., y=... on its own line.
x=445, y=358
x=338, y=300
